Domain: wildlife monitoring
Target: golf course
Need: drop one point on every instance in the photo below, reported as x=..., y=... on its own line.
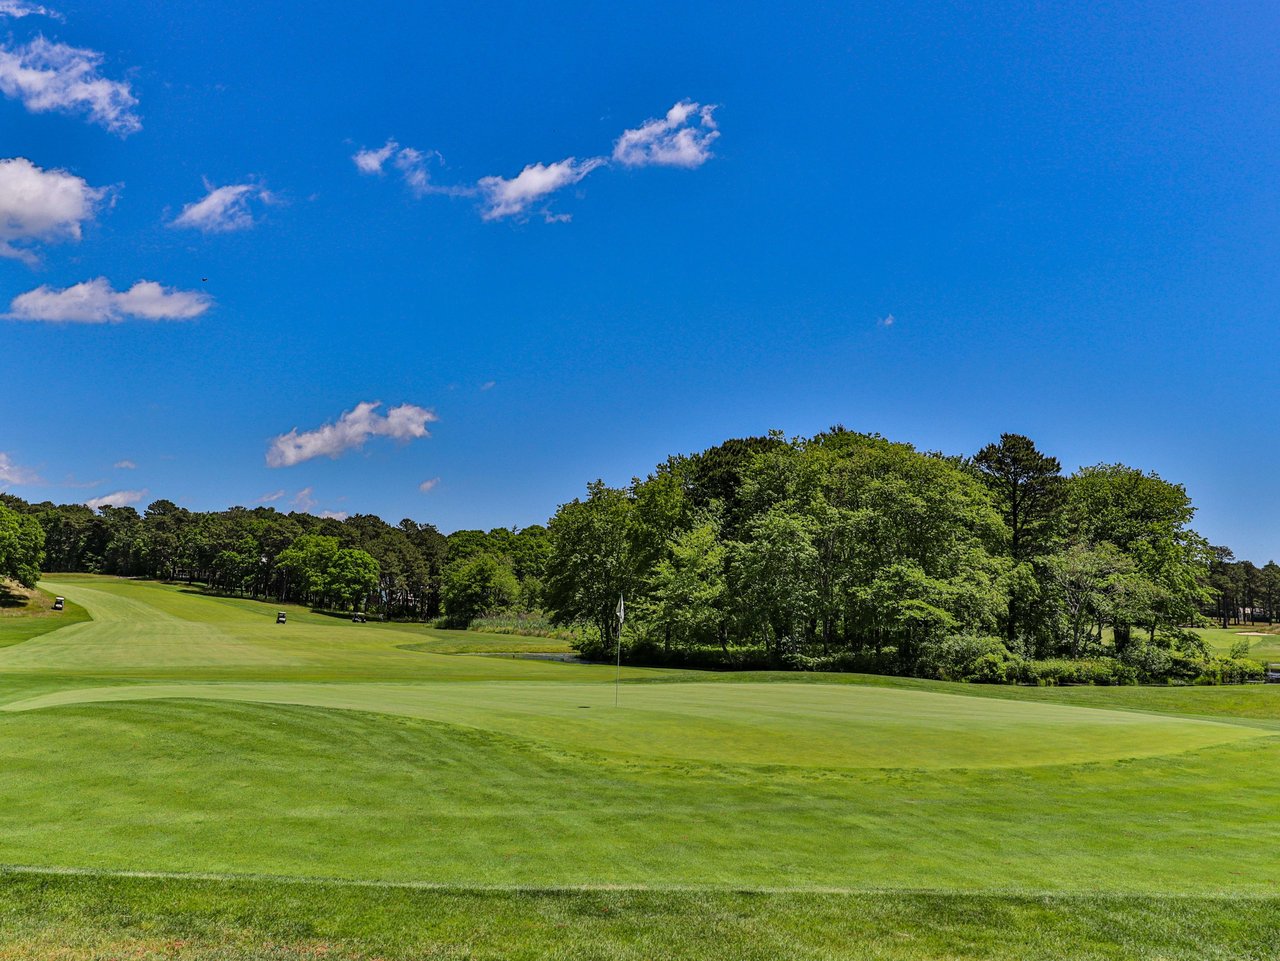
x=184, y=777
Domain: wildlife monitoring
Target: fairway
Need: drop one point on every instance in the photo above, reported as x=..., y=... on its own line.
x=191, y=736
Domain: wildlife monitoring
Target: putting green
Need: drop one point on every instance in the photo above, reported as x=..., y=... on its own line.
x=812, y=726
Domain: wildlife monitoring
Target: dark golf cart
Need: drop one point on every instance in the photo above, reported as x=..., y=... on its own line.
x=280, y=617
x=59, y=603
x=358, y=618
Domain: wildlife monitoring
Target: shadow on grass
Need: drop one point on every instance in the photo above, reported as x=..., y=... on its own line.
x=11, y=598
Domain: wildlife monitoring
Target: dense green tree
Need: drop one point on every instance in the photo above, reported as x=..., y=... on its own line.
x=686, y=591
x=1029, y=494
x=773, y=576
x=21, y=547
x=1148, y=519
x=591, y=563
x=478, y=586
x=352, y=575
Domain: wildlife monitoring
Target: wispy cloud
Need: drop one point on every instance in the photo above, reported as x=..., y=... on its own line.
x=412, y=165
x=303, y=500
x=489, y=385
x=887, y=321
x=269, y=498
x=682, y=138
x=12, y=474
x=349, y=432
x=427, y=486
x=41, y=205
x=125, y=465
x=48, y=76
x=223, y=209
x=96, y=302
x=21, y=8
x=116, y=499
x=334, y=515
x=510, y=198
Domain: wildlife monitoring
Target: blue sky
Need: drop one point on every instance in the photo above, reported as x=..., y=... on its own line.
x=1069, y=212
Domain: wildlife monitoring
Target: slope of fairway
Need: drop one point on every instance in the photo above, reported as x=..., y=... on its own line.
x=146, y=630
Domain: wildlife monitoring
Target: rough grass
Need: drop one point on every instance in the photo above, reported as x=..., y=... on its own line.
x=82, y=918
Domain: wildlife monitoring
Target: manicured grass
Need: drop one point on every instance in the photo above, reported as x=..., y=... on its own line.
x=26, y=614
x=754, y=815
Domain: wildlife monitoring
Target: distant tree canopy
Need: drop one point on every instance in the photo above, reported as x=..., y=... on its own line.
x=842, y=550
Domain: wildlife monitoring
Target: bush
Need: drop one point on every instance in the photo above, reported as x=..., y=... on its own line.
x=963, y=657
x=851, y=662
x=529, y=624
x=1229, y=670
x=1100, y=671
x=1152, y=662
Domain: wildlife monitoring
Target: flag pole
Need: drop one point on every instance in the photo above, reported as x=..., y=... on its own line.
x=617, y=677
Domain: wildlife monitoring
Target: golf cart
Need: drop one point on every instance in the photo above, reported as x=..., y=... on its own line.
x=280, y=617
x=358, y=617
x=59, y=603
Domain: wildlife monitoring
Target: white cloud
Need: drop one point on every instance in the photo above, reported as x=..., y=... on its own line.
x=887, y=321
x=41, y=205
x=334, y=515
x=125, y=465
x=350, y=431
x=412, y=164
x=53, y=76
x=14, y=474
x=95, y=302
x=20, y=8
x=682, y=138
x=370, y=161
x=268, y=498
x=489, y=385
x=509, y=198
x=222, y=209
x=116, y=499
x=427, y=486
x=303, y=500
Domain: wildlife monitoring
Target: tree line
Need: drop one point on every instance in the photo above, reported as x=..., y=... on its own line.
x=409, y=571
x=842, y=551
x=850, y=551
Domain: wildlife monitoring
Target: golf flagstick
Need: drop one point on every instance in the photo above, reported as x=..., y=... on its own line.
x=617, y=677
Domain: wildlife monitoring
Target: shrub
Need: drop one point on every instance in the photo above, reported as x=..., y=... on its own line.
x=1229, y=670
x=1101, y=671
x=963, y=657
x=851, y=662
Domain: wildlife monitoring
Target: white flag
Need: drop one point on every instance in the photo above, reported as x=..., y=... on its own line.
x=622, y=611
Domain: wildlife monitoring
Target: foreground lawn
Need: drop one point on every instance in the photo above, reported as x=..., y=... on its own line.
x=75, y=918
x=354, y=791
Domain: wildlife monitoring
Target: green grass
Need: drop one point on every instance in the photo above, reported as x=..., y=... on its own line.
x=26, y=614
x=504, y=807
x=80, y=918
